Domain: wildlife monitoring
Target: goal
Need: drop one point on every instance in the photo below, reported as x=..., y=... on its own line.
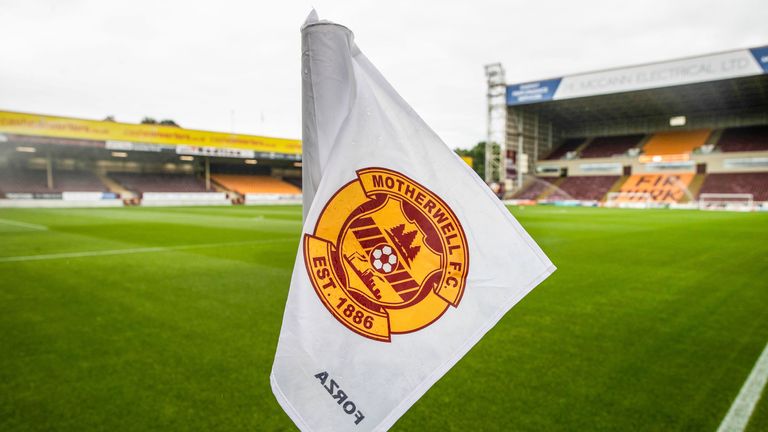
x=727, y=201
x=629, y=200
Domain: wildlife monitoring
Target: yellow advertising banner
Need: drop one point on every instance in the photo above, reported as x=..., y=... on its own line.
x=64, y=127
x=669, y=188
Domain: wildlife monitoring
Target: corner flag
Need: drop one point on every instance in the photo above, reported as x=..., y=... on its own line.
x=406, y=260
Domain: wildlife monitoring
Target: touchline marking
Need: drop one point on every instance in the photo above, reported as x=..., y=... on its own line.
x=108, y=252
x=741, y=410
x=24, y=225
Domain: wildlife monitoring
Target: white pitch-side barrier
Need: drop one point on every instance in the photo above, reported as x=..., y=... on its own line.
x=58, y=203
x=272, y=199
x=156, y=199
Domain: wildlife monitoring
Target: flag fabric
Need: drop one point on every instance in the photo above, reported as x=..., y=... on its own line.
x=406, y=259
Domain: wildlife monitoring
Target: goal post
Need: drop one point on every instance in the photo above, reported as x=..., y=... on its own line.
x=726, y=201
x=630, y=199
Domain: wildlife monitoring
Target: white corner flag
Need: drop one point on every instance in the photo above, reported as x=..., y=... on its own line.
x=406, y=260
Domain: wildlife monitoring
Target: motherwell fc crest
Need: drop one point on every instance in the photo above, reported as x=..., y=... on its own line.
x=388, y=256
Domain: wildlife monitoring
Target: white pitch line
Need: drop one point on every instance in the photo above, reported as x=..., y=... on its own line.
x=108, y=252
x=24, y=225
x=741, y=410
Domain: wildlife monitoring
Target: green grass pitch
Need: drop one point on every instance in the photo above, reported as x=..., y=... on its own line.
x=167, y=319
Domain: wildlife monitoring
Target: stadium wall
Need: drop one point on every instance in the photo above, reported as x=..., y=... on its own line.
x=734, y=162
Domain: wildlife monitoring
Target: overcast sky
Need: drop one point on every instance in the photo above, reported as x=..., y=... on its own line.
x=235, y=65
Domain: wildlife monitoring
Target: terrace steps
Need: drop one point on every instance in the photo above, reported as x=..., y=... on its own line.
x=694, y=187
x=112, y=185
x=714, y=138
x=616, y=186
x=550, y=189
x=644, y=141
x=584, y=145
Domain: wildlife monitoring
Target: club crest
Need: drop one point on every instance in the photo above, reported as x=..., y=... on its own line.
x=388, y=256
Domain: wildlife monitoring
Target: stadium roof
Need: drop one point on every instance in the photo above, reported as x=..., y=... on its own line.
x=15, y=126
x=732, y=81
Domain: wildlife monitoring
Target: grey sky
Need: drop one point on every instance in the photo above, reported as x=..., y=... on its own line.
x=234, y=65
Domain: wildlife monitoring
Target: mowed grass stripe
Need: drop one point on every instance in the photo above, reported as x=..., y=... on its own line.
x=23, y=225
x=97, y=253
x=207, y=217
x=140, y=342
x=77, y=230
x=652, y=322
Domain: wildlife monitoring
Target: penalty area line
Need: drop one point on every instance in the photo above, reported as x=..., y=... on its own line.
x=741, y=410
x=108, y=252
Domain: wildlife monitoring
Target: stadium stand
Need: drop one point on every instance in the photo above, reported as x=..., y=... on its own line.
x=670, y=143
x=79, y=181
x=751, y=138
x=586, y=143
x=610, y=146
x=22, y=180
x=35, y=181
x=568, y=146
x=587, y=188
x=254, y=184
x=733, y=183
x=144, y=182
x=535, y=188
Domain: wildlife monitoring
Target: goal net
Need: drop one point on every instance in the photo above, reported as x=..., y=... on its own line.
x=726, y=201
x=629, y=200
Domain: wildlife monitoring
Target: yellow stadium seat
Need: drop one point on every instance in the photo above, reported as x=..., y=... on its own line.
x=668, y=188
x=255, y=184
x=679, y=142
